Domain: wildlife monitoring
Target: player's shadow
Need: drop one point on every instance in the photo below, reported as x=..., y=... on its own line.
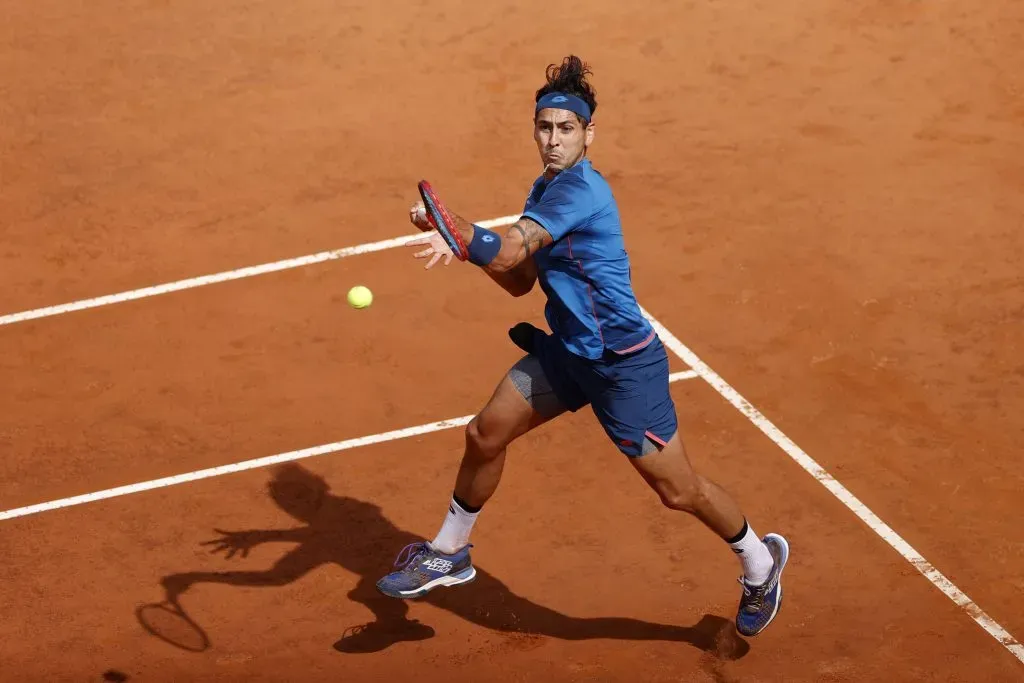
x=355, y=535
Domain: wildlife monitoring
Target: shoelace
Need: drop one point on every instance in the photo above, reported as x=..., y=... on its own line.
x=409, y=553
x=756, y=595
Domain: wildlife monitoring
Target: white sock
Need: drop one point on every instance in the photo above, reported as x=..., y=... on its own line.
x=454, y=533
x=753, y=554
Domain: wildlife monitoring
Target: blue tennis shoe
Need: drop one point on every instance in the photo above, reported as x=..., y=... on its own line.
x=760, y=604
x=422, y=568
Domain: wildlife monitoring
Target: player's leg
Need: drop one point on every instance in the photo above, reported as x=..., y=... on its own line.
x=524, y=399
x=667, y=469
x=639, y=415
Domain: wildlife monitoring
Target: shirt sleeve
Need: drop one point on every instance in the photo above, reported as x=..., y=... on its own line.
x=565, y=206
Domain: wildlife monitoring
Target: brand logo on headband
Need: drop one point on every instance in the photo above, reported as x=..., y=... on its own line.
x=560, y=98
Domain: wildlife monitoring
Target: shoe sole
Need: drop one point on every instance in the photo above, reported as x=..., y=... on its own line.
x=783, y=559
x=465, y=576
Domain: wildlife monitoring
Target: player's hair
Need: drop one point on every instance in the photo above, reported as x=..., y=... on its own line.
x=570, y=77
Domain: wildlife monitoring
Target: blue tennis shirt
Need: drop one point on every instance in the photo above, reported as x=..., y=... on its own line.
x=585, y=272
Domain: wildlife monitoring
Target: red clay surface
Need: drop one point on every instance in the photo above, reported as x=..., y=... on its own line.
x=822, y=200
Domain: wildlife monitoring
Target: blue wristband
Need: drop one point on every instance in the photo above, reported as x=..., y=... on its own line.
x=484, y=246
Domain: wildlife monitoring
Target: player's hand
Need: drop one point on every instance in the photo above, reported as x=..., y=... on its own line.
x=234, y=542
x=418, y=217
x=436, y=249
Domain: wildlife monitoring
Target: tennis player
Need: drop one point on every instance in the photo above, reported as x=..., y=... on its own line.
x=601, y=352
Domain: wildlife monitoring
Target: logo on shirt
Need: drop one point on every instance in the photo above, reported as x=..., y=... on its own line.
x=488, y=238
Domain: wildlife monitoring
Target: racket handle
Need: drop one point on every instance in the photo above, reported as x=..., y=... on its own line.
x=424, y=221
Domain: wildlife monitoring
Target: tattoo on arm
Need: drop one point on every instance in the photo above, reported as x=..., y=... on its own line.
x=530, y=234
x=514, y=268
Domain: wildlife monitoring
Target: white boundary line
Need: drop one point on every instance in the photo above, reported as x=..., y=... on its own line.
x=701, y=369
x=235, y=467
x=227, y=275
x=858, y=508
x=325, y=449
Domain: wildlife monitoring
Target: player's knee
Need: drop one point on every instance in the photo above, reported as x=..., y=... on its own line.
x=686, y=495
x=483, y=441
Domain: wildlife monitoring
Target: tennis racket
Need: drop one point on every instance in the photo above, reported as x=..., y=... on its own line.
x=437, y=214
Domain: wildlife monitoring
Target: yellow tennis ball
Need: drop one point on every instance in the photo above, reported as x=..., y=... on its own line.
x=360, y=297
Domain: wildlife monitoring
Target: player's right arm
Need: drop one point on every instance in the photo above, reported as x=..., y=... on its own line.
x=513, y=267
x=508, y=258
x=518, y=280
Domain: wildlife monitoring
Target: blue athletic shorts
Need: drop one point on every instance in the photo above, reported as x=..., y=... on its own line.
x=629, y=393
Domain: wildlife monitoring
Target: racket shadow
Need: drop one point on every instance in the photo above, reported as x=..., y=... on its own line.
x=355, y=535
x=169, y=622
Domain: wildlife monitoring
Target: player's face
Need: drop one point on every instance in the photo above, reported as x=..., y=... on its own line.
x=561, y=139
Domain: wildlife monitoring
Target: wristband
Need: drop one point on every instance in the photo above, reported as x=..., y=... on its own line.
x=484, y=246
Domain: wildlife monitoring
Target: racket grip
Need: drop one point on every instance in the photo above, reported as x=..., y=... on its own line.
x=424, y=221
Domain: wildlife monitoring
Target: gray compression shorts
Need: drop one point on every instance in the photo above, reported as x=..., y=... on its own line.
x=528, y=376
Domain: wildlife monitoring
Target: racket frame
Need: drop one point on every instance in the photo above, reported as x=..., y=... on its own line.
x=441, y=219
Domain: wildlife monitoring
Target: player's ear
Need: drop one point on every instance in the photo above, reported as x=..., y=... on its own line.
x=588, y=135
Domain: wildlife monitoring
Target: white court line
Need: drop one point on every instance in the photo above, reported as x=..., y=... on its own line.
x=858, y=508
x=258, y=463
x=228, y=275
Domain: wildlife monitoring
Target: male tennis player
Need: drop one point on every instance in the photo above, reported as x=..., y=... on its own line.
x=601, y=352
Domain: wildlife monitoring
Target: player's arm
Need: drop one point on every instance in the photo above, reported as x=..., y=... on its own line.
x=506, y=257
x=513, y=266
x=518, y=281
x=497, y=253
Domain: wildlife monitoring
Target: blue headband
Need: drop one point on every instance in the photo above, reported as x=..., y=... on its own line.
x=561, y=100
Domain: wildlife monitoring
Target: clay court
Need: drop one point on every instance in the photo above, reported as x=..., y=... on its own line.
x=823, y=206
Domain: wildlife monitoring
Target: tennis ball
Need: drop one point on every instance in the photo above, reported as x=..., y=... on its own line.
x=360, y=297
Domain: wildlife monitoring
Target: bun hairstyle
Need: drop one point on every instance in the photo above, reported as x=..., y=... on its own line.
x=569, y=77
